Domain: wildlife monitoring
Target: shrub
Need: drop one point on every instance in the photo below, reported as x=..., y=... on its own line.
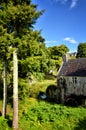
x=39, y=76
x=23, y=89
x=3, y=124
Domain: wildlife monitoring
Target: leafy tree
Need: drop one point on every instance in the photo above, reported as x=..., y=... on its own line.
x=5, y=41
x=81, y=52
x=56, y=53
x=17, y=18
x=58, y=50
x=32, y=53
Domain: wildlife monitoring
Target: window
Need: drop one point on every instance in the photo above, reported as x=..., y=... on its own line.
x=74, y=79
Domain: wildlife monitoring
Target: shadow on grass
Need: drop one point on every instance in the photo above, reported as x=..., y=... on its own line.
x=81, y=125
x=9, y=120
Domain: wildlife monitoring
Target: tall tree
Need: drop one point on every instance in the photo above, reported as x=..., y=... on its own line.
x=5, y=40
x=81, y=51
x=4, y=89
x=17, y=18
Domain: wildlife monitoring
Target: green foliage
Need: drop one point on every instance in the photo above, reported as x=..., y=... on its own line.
x=5, y=43
x=58, y=50
x=39, y=76
x=56, y=54
x=17, y=19
x=33, y=88
x=3, y=124
x=81, y=52
x=30, y=87
x=46, y=116
x=34, y=64
x=23, y=89
x=18, y=16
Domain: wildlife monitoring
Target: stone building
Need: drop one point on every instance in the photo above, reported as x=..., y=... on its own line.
x=71, y=81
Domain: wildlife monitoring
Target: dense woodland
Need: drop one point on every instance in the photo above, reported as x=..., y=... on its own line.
x=35, y=60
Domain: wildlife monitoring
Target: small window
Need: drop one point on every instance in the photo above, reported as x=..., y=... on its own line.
x=74, y=80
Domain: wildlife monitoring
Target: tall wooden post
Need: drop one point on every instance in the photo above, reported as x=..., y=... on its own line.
x=4, y=90
x=15, y=91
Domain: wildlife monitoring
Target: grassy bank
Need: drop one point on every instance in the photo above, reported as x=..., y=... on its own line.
x=46, y=116
x=35, y=114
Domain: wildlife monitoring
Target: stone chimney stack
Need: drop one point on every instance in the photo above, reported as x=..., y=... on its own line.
x=65, y=58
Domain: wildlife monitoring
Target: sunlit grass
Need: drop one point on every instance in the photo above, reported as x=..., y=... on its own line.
x=36, y=114
x=48, y=116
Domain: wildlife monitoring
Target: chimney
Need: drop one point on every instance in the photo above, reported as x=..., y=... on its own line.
x=65, y=58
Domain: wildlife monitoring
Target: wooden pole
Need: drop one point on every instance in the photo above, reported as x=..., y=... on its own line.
x=15, y=91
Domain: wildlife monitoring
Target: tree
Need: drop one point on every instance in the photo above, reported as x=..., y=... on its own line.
x=56, y=54
x=58, y=50
x=4, y=90
x=17, y=18
x=5, y=40
x=81, y=51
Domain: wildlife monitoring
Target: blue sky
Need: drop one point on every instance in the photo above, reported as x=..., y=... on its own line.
x=63, y=22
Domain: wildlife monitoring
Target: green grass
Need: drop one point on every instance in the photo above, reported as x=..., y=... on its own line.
x=46, y=116
x=41, y=115
x=37, y=114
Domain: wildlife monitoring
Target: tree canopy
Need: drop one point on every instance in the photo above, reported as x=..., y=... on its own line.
x=81, y=51
x=17, y=20
x=56, y=54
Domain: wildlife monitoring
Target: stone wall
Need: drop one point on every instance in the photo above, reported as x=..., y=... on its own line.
x=75, y=85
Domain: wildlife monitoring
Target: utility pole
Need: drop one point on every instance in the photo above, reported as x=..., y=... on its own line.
x=15, y=90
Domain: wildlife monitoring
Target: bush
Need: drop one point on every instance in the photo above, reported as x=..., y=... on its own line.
x=35, y=90
x=3, y=124
x=39, y=76
x=23, y=89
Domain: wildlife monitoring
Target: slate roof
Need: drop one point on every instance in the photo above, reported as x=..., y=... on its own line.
x=73, y=67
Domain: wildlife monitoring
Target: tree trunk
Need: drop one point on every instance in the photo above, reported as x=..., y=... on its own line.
x=15, y=91
x=4, y=90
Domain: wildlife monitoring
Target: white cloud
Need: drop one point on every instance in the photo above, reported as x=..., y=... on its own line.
x=73, y=3
x=71, y=40
x=50, y=41
x=61, y=1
